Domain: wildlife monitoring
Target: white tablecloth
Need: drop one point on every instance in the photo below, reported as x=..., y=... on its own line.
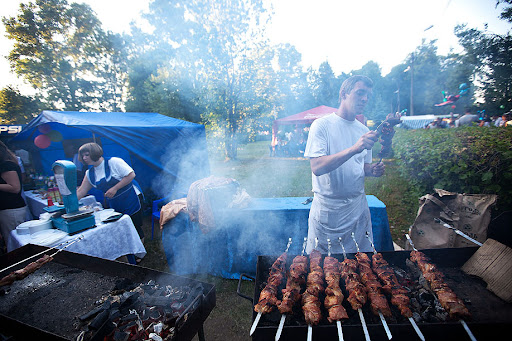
x=108, y=241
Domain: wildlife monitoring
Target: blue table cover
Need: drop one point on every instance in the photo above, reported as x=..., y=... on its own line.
x=241, y=235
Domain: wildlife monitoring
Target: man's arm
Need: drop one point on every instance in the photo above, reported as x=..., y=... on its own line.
x=325, y=164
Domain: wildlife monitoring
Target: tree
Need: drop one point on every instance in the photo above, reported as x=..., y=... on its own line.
x=211, y=45
x=62, y=51
x=16, y=108
x=490, y=56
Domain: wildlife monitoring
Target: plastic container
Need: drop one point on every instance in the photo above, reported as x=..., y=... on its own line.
x=34, y=226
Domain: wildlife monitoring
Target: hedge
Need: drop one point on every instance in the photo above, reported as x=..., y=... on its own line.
x=476, y=160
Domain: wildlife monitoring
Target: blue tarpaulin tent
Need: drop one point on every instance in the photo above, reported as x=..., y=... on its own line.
x=163, y=151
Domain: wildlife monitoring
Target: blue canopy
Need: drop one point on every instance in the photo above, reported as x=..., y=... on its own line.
x=164, y=152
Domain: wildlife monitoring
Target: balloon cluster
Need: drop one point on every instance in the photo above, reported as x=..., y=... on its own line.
x=47, y=136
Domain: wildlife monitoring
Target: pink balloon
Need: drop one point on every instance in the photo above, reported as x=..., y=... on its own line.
x=42, y=141
x=44, y=128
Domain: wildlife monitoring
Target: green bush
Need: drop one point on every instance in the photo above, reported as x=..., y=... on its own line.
x=476, y=160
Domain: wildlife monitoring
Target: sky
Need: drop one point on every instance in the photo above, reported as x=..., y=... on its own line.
x=347, y=34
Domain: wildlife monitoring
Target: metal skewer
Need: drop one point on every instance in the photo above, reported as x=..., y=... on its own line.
x=37, y=254
x=283, y=316
x=310, y=328
x=338, y=322
x=470, y=334
x=361, y=316
x=468, y=331
x=258, y=316
x=411, y=320
x=71, y=243
x=384, y=323
x=460, y=233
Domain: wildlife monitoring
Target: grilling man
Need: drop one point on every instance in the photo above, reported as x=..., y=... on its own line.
x=339, y=148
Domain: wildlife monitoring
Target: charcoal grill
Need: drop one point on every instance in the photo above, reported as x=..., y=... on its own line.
x=491, y=316
x=70, y=299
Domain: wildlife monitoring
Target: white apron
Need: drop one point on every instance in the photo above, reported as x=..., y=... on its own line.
x=334, y=218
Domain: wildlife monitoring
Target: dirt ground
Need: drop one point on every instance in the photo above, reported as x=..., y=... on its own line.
x=232, y=315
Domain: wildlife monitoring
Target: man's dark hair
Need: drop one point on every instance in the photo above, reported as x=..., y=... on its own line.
x=349, y=84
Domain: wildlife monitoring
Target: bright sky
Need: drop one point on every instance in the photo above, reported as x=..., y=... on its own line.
x=346, y=33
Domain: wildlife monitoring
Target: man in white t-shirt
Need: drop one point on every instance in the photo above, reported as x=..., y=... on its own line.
x=339, y=149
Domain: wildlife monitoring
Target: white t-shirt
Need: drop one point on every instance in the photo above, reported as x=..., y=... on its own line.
x=118, y=170
x=329, y=135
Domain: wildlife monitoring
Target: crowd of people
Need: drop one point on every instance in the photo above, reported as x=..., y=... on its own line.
x=291, y=143
x=470, y=119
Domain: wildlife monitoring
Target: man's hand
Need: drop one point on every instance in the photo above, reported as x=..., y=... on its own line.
x=374, y=169
x=366, y=141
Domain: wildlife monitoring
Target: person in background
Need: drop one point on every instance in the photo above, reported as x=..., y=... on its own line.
x=13, y=209
x=114, y=177
x=339, y=149
x=437, y=123
x=467, y=119
x=505, y=119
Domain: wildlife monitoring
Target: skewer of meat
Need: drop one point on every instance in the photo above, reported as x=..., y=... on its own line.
x=268, y=296
x=315, y=286
x=447, y=298
x=292, y=292
x=378, y=302
x=356, y=290
x=34, y=266
x=398, y=293
x=334, y=297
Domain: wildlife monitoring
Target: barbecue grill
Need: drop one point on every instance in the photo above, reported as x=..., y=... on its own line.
x=46, y=304
x=491, y=316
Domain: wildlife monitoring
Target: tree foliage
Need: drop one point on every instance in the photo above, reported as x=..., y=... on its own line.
x=490, y=56
x=16, y=108
x=61, y=50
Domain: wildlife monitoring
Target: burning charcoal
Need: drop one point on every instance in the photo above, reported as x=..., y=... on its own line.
x=155, y=337
x=114, y=314
x=177, y=306
x=122, y=286
x=99, y=320
x=128, y=300
x=155, y=314
x=146, y=314
x=425, y=296
x=121, y=336
x=159, y=301
x=129, y=317
x=128, y=326
x=416, y=317
x=105, y=306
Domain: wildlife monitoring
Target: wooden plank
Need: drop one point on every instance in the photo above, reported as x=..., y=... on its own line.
x=493, y=263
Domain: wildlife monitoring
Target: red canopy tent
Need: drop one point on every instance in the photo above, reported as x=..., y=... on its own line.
x=303, y=118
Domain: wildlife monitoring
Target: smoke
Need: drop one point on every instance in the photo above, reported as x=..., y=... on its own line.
x=240, y=235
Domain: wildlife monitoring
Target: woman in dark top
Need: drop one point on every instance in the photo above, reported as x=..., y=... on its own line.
x=13, y=210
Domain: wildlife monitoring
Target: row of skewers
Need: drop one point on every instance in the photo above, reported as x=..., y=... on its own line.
x=365, y=281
